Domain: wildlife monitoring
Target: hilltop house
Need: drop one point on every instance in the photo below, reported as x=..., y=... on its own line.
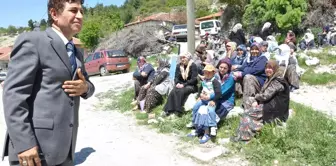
x=4, y=57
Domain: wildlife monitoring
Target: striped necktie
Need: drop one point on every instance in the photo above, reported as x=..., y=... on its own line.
x=71, y=53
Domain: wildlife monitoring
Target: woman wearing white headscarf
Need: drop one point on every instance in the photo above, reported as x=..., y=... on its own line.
x=185, y=84
x=237, y=35
x=272, y=44
x=288, y=65
x=307, y=41
x=266, y=30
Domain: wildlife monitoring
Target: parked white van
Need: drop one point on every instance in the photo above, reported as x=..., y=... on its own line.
x=213, y=27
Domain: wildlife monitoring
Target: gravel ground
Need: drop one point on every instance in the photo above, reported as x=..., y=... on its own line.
x=321, y=98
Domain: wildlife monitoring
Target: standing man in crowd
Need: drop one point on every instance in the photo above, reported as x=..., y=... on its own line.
x=46, y=78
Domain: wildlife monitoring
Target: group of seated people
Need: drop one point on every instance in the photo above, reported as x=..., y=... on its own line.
x=263, y=82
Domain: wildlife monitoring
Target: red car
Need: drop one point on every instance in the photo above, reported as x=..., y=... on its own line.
x=107, y=61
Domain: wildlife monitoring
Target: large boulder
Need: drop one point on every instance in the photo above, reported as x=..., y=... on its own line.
x=139, y=40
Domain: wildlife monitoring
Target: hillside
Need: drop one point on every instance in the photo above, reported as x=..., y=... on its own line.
x=6, y=41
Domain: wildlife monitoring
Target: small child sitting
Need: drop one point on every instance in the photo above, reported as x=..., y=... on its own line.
x=204, y=116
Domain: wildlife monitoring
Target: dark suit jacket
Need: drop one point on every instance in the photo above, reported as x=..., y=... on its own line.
x=37, y=110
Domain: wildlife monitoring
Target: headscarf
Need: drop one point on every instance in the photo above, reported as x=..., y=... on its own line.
x=163, y=63
x=267, y=25
x=282, y=54
x=326, y=28
x=252, y=58
x=220, y=78
x=242, y=47
x=309, y=36
x=185, y=71
x=272, y=43
x=271, y=38
x=237, y=27
x=140, y=60
x=276, y=73
x=186, y=54
x=233, y=48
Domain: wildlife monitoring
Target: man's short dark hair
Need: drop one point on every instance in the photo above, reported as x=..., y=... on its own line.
x=58, y=5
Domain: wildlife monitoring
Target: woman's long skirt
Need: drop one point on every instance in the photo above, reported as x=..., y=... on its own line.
x=177, y=98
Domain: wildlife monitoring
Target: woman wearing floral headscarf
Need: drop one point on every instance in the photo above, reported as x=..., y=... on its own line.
x=143, y=74
x=252, y=72
x=151, y=94
x=237, y=34
x=270, y=105
x=185, y=84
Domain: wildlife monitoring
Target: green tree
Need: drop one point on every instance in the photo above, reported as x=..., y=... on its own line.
x=287, y=14
x=174, y=3
x=202, y=8
x=31, y=24
x=11, y=29
x=43, y=24
x=90, y=34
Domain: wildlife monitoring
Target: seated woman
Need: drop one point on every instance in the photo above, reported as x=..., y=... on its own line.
x=185, y=84
x=324, y=37
x=238, y=58
x=270, y=105
x=230, y=48
x=204, y=115
x=237, y=62
x=201, y=58
x=272, y=44
x=150, y=95
x=141, y=76
x=227, y=83
x=252, y=72
x=307, y=41
x=290, y=37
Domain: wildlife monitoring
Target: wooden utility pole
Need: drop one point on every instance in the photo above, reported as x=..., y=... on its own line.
x=191, y=25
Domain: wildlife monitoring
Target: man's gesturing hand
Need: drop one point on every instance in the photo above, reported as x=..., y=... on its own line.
x=76, y=87
x=30, y=157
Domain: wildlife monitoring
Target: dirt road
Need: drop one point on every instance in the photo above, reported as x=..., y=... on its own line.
x=109, y=138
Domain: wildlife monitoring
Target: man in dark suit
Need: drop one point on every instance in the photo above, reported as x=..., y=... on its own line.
x=46, y=78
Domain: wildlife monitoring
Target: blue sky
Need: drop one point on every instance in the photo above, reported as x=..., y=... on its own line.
x=18, y=12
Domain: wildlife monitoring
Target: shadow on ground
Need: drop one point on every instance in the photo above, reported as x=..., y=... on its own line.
x=82, y=155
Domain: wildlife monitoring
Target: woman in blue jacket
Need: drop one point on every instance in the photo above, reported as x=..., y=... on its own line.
x=253, y=72
x=227, y=82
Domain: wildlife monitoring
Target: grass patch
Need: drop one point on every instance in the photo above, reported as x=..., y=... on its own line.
x=309, y=139
x=313, y=78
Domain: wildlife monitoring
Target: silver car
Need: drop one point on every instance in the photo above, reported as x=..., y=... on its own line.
x=180, y=32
